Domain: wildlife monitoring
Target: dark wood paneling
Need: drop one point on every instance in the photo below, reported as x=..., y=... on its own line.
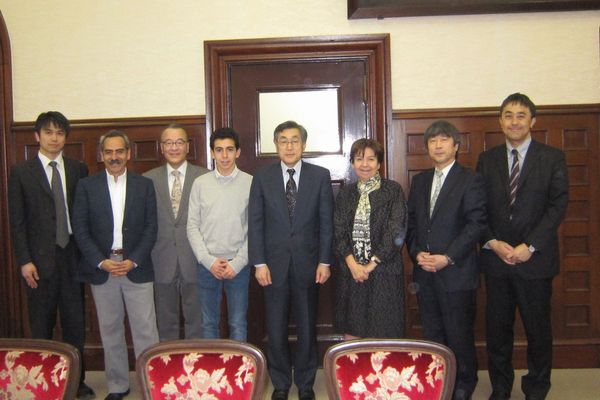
x=576, y=295
x=575, y=129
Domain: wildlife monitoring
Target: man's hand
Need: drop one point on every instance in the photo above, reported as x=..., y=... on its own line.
x=263, y=275
x=30, y=274
x=229, y=272
x=218, y=268
x=520, y=253
x=503, y=250
x=122, y=268
x=110, y=265
x=432, y=262
x=323, y=273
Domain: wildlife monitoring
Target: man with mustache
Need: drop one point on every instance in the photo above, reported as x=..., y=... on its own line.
x=115, y=227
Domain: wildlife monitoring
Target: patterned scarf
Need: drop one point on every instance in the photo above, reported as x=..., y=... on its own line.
x=361, y=231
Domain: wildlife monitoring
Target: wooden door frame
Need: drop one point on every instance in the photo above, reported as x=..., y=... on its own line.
x=220, y=55
x=9, y=282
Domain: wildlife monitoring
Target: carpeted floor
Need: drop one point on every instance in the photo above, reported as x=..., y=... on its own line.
x=567, y=384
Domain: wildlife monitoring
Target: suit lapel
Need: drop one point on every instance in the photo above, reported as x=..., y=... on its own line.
x=276, y=183
x=449, y=183
x=129, y=195
x=70, y=172
x=501, y=163
x=37, y=170
x=303, y=189
x=190, y=177
x=530, y=160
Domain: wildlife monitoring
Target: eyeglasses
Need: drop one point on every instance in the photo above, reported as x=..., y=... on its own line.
x=174, y=143
x=283, y=142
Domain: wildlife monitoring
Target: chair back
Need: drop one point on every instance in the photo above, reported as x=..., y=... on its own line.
x=386, y=368
x=38, y=369
x=211, y=369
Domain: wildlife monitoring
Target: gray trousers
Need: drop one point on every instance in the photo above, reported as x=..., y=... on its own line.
x=167, y=296
x=112, y=298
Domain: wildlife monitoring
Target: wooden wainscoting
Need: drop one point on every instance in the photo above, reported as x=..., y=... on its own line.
x=576, y=291
x=574, y=129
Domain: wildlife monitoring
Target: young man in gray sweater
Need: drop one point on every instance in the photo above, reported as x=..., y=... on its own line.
x=217, y=230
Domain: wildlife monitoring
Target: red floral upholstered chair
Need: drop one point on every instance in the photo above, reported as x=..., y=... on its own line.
x=35, y=369
x=202, y=369
x=380, y=369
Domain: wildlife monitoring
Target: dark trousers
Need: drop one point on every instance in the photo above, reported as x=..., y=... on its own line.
x=303, y=303
x=59, y=293
x=448, y=318
x=532, y=297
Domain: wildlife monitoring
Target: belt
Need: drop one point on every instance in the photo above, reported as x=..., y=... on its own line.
x=116, y=252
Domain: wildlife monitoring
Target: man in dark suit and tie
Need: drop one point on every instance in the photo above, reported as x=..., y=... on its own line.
x=527, y=193
x=175, y=267
x=446, y=218
x=290, y=229
x=40, y=200
x=114, y=221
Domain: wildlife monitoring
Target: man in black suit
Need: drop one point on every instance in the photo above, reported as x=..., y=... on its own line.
x=114, y=220
x=446, y=218
x=290, y=229
x=40, y=200
x=527, y=193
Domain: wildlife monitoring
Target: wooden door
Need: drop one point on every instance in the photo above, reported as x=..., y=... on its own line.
x=234, y=85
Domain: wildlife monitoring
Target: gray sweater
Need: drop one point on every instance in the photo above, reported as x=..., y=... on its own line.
x=217, y=224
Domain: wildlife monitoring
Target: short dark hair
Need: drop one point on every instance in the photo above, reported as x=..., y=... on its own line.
x=521, y=99
x=290, y=125
x=225, y=133
x=441, y=127
x=54, y=117
x=174, y=125
x=359, y=147
x=111, y=134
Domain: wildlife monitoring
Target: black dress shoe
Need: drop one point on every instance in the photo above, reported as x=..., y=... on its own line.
x=308, y=394
x=84, y=392
x=117, y=396
x=279, y=394
x=499, y=396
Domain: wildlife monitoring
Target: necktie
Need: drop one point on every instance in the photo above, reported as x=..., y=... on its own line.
x=62, y=229
x=290, y=193
x=436, y=190
x=514, y=177
x=176, y=193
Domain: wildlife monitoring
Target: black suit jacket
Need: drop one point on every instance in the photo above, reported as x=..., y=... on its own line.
x=542, y=197
x=454, y=228
x=307, y=240
x=93, y=226
x=32, y=213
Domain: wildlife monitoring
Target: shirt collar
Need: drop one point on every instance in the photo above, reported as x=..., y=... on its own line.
x=297, y=168
x=522, y=149
x=226, y=178
x=120, y=178
x=447, y=168
x=182, y=168
x=45, y=160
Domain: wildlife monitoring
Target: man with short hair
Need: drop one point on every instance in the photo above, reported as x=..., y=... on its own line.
x=40, y=202
x=175, y=270
x=218, y=233
x=114, y=221
x=290, y=231
x=527, y=194
x=446, y=218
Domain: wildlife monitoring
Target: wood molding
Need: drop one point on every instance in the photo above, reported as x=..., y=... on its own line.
x=9, y=306
x=380, y=9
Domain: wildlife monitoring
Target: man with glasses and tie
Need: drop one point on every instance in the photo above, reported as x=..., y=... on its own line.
x=40, y=201
x=446, y=218
x=175, y=269
x=527, y=193
x=290, y=231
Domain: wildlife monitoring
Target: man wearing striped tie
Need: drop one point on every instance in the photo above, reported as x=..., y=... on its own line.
x=527, y=193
